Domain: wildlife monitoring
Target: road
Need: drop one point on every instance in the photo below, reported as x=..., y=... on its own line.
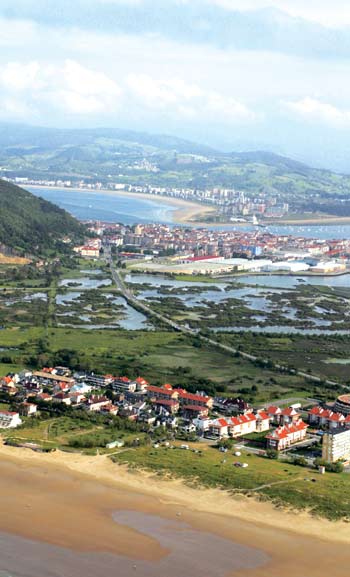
x=139, y=305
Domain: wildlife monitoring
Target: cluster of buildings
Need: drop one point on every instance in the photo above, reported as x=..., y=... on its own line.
x=140, y=401
x=176, y=408
x=202, y=251
x=91, y=248
x=334, y=422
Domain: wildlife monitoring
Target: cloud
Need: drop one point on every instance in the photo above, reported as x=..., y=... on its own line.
x=316, y=110
x=186, y=99
x=69, y=86
x=37, y=88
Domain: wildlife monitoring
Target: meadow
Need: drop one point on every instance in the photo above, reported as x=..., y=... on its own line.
x=284, y=484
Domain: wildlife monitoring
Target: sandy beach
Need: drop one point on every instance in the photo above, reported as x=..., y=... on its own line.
x=186, y=212
x=68, y=500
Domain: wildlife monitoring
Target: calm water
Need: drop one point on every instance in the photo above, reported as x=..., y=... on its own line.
x=132, y=319
x=255, y=298
x=190, y=553
x=105, y=207
x=100, y=206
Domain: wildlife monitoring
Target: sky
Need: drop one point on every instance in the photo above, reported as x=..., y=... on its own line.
x=234, y=74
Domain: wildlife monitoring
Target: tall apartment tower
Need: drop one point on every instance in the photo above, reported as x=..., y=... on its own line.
x=336, y=445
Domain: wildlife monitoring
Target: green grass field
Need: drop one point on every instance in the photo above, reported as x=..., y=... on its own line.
x=283, y=484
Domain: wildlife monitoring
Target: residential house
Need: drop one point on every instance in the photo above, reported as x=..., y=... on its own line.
x=284, y=436
x=186, y=398
x=274, y=414
x=9, y=420
x=262, y=421
x=62, y=398
x=141, y=384
x=77, y=398
x=99, y=381
x=49, y=377
x=171, y=405
x=336, y=420
x=289, y=415
x=159, y=393
x=123, y=385
x=28, y=409
x=219, y=428
x=95, y=403
x=194, y=411
x=242, y=425
x=320, y=417
x=231, y=405
x=110, y=409
x=44, y=397
x=202, y=424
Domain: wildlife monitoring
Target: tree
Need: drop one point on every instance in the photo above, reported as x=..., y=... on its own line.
x=272, y=454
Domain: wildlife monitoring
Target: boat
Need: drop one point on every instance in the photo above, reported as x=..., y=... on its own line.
x=255, y=222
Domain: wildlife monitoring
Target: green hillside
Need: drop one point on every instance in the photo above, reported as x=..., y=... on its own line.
x=32, y=225
x=137, y=158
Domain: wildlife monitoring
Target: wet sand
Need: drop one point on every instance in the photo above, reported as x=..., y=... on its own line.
x=86, y=523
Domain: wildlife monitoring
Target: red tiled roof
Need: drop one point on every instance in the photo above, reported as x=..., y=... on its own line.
x=192, y=397
x=167, y=402
x=279, y=433
x=195, y=408
x=316, y=411
x=235, y=421
x=222, y=422
x=337, y=417
x=284, y=432
x=161, y=390
x=262, y=415
x=273, y=410
x=289, y=412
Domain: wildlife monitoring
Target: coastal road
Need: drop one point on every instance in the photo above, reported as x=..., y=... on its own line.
x=139, y=305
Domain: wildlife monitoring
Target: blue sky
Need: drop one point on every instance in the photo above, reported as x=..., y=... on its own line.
x=235, y=74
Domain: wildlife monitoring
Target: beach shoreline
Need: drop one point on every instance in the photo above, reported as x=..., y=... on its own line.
x=80, y=494
x=175, y=491
x=186, y=212
x=189, y=212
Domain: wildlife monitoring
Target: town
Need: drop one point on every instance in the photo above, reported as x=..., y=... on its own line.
x=181, y=250
x=320, y=434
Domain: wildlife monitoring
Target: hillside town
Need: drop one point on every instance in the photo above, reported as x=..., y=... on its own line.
x=277, y=428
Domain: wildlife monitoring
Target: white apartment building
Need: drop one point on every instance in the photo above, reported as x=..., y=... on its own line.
x=336, y=445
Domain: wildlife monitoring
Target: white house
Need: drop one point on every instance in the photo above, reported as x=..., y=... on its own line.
x=9, y=420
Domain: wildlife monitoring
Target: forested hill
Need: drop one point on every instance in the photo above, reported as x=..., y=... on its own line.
x=32, y=225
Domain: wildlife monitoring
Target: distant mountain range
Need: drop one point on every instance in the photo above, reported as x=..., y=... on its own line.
x=113, y=155
x=33, y=226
